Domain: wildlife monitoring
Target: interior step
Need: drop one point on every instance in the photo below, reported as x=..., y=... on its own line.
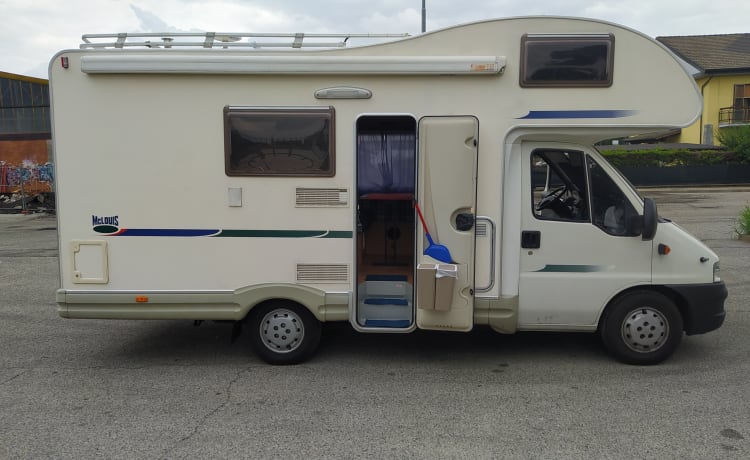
x=394, y=323
x=386, y=278
x=385, y=286
x=385, y=301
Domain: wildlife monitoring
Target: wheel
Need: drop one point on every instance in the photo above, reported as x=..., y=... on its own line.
x=641, y=327
x=283, y=332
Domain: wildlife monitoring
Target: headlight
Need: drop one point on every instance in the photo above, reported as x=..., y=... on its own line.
x=716, y=272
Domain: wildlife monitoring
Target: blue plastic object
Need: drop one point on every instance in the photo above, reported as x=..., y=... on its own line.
x=434, y=250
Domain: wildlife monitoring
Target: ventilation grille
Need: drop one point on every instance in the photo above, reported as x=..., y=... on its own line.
x=322, y=273
x=481, y=229
x=322, y=197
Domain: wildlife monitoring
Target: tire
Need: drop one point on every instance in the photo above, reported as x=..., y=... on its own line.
x=283, y=332
x=641, y=328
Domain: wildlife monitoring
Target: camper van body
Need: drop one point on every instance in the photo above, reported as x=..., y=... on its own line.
x=278, y=187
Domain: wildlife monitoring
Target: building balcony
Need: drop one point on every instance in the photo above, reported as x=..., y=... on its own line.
x=734, y=116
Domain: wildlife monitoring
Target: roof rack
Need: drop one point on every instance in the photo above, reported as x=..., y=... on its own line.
x=224, y=40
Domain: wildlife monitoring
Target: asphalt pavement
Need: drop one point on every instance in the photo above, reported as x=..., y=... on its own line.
x=79, y=389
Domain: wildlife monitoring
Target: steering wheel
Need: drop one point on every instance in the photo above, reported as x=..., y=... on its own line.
x=551, y=197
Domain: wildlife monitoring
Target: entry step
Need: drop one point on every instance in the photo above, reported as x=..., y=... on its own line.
x=386, y=278
x=385, y=301
x=385, y=286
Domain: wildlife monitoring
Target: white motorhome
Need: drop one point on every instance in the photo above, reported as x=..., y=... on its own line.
x=211, y=179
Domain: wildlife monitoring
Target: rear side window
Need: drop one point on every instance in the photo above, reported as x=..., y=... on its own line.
x=567, y=60
x=279, y=141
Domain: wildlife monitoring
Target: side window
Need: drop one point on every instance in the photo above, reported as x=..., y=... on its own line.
x=610, y=208
x=279, y=141
x=567, y=60
x=558, y=185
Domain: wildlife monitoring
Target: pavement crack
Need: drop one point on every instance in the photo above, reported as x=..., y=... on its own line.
x=211, y=413
x=14, y=377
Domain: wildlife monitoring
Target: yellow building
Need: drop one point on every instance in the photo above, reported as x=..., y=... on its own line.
x=721, y=67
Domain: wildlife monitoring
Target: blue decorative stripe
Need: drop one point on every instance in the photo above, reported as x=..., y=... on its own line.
x=165, y=232
x=573, y=114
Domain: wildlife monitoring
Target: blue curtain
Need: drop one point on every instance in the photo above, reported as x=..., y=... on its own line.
x=385, y=163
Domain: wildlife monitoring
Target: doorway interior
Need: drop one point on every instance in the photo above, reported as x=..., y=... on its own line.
x=386, y=165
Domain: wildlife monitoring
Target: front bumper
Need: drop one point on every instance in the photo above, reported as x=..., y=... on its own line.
x=704, y=306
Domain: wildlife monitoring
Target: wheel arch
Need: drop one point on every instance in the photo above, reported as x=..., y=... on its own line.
x=671, y=294
x=642, y=326
x=253, y=296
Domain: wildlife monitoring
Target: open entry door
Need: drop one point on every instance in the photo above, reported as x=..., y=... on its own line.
x=446, y=192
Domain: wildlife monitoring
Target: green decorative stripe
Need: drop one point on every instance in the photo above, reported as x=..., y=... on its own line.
x=283, y=234
x=575, y=268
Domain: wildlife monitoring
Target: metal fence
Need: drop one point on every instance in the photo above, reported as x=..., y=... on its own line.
x=734, y=116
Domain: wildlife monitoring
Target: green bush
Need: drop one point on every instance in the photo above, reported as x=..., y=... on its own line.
x=671, y=157
x=736, y=139
x=743, y=222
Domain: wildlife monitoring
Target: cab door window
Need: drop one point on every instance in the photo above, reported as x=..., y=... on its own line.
x=611, y=210
x=558, y=185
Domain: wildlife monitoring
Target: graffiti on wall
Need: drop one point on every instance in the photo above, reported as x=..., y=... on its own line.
x=29, y=178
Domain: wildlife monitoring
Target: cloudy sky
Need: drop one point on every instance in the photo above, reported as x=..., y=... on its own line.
x=33, y=30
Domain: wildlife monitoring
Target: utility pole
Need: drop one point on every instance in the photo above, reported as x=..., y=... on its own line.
x=424, y=17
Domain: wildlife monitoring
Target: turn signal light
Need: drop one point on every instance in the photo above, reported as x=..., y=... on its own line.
x=664, y=249
x=141, y=299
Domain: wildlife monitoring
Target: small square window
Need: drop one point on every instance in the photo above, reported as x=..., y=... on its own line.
x=567, y=60
x=279, y=141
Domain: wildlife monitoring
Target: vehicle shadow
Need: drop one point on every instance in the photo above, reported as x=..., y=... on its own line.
x=179, y=342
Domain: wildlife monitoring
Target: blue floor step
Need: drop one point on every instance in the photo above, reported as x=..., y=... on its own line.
x=401, y=278
x=385, y=301
x=394, y=323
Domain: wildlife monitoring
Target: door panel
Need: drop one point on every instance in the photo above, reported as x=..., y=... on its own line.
x=572, y=262
x=447, y=196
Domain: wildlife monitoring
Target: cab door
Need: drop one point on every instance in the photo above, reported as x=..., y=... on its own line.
x=581, y=240
x=446, y=193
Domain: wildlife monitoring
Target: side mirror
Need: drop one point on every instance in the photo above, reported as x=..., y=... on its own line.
x=650, y=219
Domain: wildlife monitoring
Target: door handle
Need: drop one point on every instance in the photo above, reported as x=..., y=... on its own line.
x=531, y=239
